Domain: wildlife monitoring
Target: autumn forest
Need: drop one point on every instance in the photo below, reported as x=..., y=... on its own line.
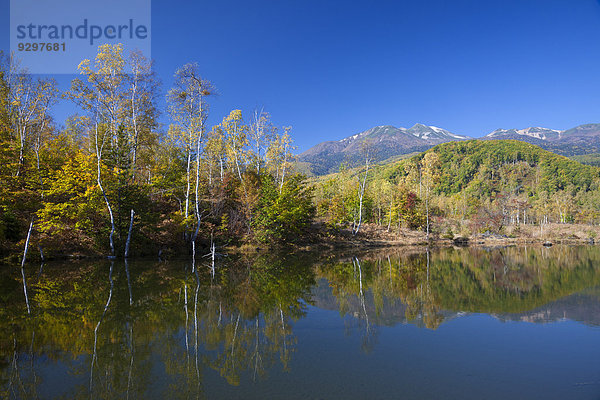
x=112, y=180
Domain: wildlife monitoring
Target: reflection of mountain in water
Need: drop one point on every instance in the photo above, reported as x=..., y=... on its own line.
x=581, y=307
x=513, y=284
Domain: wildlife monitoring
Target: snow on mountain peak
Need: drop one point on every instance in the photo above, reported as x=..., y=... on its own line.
x=429, y=131
x=425, y=132
x=534, y=132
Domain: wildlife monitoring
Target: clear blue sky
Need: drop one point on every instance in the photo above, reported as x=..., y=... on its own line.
x=332, y=69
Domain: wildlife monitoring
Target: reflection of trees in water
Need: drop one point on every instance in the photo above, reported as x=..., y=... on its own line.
x=428, y=286
x=241, y=322
x=369, y=336
x=368, y=287
x=246, y=325
x=512, y=279
x=22, y=380
x=111, y=329
x=94, y=352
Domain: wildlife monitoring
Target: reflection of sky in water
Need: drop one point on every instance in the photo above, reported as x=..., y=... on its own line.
x=336, y=354
x=472, y=357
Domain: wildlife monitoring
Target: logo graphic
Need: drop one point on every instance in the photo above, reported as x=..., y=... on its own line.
x=54, y=36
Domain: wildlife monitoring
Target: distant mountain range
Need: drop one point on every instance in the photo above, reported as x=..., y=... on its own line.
x=583, y=139
x=388, y=141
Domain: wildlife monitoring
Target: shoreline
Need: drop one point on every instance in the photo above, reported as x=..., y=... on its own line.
x=327, y=241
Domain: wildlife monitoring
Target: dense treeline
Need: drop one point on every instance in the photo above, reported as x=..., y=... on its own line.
x=110, y=180
x=478, y=185
x=589, y=159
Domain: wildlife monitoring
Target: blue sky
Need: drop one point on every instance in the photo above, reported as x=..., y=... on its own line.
x=332, y=69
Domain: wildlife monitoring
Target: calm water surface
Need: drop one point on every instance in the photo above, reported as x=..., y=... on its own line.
x=519, y=323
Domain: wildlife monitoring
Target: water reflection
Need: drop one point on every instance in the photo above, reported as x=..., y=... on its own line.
x=145, y=329
x=502, y=282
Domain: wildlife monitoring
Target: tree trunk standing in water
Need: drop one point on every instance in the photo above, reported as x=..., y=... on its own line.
x=27, y=243
x=41, y=253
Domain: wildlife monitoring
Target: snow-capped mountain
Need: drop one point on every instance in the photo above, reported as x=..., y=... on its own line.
x=583, y=139
x=386, y=141
x=534, y=132
x=433, y=133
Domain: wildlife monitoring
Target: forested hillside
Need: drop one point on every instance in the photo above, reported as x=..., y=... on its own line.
x=507, y=166
x=589, y=159
x=485, y=184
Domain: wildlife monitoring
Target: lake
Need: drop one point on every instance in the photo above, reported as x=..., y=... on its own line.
x=468, y=323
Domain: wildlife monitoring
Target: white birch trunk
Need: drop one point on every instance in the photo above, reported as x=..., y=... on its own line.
x=361, y=195
x=129, y=234
x=99, y=181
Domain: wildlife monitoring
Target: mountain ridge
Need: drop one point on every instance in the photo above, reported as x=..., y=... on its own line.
x=387, y=141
